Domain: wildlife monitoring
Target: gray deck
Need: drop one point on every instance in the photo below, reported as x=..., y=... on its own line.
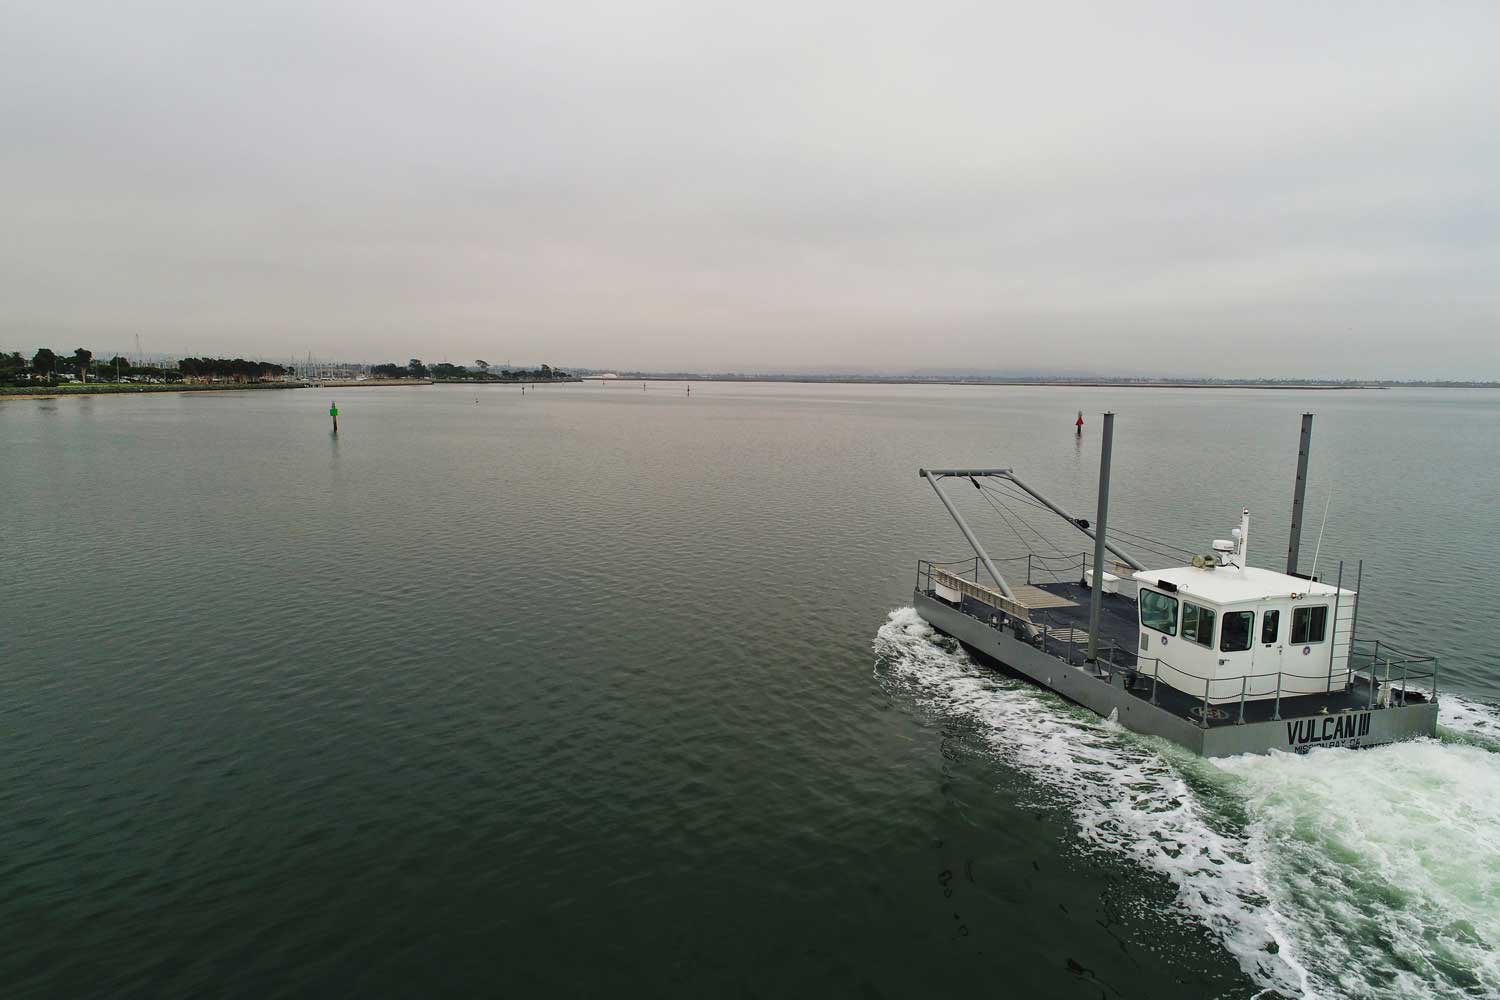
x=1117, y=617
x=1039, y=598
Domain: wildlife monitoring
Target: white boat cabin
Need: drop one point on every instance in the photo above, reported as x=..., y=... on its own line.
x=1225, y=628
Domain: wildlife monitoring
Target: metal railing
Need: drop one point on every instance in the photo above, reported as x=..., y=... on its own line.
x=963, y=579
x=1413, y=669
x=958, y=567
x=1070, y=569
x=1061, y=569
x=1379, y=656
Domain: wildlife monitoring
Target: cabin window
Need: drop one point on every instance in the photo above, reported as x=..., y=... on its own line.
x=1235, y=635
x=1197, y=624
x=1159, y=611
x=1270, y=624
x=1308, y=624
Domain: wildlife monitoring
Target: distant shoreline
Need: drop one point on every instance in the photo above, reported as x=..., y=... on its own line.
x=506, y=381
x=355, y=383
x=1060, y=383
x=113, y=389
x=116, y=389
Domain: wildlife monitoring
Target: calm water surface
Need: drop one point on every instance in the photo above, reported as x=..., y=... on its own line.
x=610, y=690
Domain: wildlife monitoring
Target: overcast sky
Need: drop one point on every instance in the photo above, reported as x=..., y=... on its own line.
x=1193, y=188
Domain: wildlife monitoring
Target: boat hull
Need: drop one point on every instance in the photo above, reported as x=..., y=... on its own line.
x=1104, y=696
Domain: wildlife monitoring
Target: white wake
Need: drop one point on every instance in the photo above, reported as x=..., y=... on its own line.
x=1370, y=873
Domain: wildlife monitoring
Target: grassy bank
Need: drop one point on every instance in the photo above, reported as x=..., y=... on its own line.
x=368, y=383
x=108, y=388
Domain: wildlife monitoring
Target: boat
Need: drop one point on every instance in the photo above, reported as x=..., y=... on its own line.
x=1218, y=656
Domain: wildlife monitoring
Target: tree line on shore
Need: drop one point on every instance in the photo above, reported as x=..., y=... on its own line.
x=480, y=372
x=50, y=367
x=236, y=368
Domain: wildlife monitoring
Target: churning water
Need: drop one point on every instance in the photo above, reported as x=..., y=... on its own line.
x=572, y=693
x=1338, y=873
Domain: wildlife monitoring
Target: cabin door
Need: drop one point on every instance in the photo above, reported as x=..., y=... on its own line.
x=1270, y=642
x=1236, y=655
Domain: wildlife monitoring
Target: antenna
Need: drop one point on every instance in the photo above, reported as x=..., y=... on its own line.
x=1319, y=548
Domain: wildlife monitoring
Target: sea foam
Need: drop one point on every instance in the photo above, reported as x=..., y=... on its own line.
x=1338, y=873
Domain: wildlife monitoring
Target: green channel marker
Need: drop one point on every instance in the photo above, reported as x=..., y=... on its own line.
x=333, y=411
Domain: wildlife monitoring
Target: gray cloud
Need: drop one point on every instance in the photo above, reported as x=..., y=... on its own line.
x=1279, y=189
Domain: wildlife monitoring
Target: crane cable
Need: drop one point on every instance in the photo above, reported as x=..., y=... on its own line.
x=1140, y=540
x=997, y=508
x=1030, y=527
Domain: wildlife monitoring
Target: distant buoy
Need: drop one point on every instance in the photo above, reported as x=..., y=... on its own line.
x=1080, y=423
x=333, y=411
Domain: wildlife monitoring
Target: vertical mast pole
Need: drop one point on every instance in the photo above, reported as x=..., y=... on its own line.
x=1096, y=592
x=1299, y=491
